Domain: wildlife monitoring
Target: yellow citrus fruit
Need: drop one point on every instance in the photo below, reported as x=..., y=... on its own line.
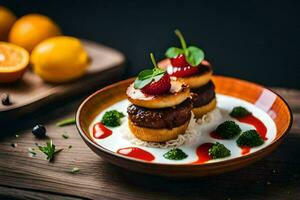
x=13, y=62
x=7, y=19
x=59, y=59
x=30, y=30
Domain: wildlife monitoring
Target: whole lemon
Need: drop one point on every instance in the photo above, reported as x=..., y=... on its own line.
x=7, y=19
x=59, y=59
x=31, y=29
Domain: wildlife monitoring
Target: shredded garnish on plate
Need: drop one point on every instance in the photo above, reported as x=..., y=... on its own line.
x=189, y=136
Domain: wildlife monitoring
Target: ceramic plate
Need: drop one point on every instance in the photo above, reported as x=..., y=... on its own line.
x=271, y=117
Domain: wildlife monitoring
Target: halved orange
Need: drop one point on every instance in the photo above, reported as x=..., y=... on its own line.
x=13, y=62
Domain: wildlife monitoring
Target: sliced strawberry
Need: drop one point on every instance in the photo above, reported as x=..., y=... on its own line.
x=159, y=87
x=179, y=61
x=182, y=71
x=180, y=67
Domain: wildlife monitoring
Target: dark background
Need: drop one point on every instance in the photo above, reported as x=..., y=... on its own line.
x=253, y=40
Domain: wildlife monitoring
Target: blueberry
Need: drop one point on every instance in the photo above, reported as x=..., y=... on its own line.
x=5, y=99
x=39, y=131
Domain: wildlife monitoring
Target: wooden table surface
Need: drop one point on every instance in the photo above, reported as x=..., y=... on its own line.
x=23, y=177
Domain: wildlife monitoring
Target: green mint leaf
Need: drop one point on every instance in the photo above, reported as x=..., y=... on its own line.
x=156, y=78
x=149, y=73
x=145, y=74
x=158, y=71
x=145, y=77
x=139, y=84
x=194, y=56
x=66, y=122
x=173, y=52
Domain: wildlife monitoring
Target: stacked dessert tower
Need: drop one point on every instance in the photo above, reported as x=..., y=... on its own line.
x=188, y=65
x=161, y=107
x=163, y=97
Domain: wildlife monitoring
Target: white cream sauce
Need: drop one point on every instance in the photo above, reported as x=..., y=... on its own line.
x=200, y=131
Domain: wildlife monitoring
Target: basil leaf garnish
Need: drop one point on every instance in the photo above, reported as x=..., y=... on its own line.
x=193, y=55
x=144, y=79
x=147, y=76
x=157, y=77
x=139, y=84
x=158, y=71
x=173, y=52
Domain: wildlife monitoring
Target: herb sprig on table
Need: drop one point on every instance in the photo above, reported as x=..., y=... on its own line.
x=49, y=150
x=31, y=152
x=75, y=170
x=66, y=122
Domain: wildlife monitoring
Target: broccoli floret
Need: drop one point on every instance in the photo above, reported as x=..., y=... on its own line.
x=112, y=118
x=250, y=138
x=228, y=129
x=239, y=111
x=175, y=154
x=218, y=150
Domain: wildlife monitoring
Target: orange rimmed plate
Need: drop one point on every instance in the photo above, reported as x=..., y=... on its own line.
x=266, y=105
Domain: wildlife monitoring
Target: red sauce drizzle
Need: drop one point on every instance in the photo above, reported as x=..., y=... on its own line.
x=245, y=150
x=259, y=125
x=250, y=119
x=202, y=153
x=215, y=135
x=136, y=152
x=100, y=131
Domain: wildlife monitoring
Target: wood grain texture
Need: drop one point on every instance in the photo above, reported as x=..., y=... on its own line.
x=17, y=193
x=275, y=177
x=32, y=92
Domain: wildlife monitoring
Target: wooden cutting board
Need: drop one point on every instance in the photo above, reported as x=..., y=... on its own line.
x=32, y=92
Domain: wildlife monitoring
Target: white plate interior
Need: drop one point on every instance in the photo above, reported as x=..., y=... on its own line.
x=224, y=105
